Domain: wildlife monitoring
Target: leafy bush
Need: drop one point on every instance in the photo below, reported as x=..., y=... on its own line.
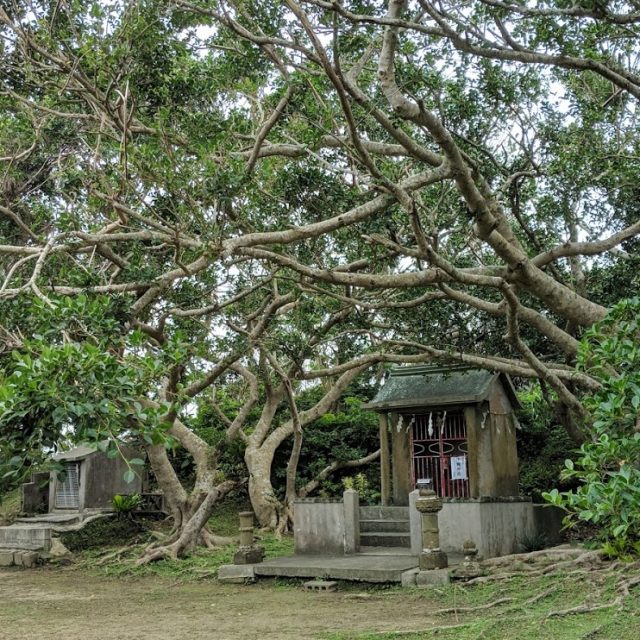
x=608, y=466
x=543, y=444
x=126, y=504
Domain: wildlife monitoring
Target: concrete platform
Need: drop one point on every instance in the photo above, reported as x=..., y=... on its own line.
x=364, y=567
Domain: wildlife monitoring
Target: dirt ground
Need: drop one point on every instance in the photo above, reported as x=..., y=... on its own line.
x=70, y=605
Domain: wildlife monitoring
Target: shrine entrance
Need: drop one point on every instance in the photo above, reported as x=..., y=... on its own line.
x=439, y=450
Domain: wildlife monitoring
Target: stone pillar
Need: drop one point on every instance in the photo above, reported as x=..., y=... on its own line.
x=429, y=504
x=351, y=504
x=415, y=524
x=248, y=552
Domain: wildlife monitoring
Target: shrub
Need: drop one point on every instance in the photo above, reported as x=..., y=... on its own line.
x=608, y=465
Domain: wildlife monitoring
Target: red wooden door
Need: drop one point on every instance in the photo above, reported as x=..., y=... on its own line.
x=439, y=451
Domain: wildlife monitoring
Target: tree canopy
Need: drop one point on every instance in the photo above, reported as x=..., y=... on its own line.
x=283, y=194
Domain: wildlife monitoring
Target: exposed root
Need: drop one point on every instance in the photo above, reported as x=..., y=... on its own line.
x=212, y=541
x=489, y=605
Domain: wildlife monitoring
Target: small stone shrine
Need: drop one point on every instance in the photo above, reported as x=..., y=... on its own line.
x=451, y=424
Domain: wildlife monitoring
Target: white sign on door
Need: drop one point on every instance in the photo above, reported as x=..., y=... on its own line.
x=459, y=468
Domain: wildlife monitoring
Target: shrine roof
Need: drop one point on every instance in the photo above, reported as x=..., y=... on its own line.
x=437, y=385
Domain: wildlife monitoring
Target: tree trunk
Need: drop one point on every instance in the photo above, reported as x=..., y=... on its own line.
x=266, y=506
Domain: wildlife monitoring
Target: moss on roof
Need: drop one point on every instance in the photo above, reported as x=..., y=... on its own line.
x=429, y=385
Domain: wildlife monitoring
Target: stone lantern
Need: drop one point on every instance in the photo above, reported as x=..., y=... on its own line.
x=429, y=504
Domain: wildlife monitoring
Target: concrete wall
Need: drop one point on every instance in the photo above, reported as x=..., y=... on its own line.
x=100, y=479
x=498, y=527
x=327, y=527
x=35, y=494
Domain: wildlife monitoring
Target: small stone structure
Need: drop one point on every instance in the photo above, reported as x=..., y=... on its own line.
x=452, y=424
x=428, y=505
x=248, y=552
x=90, y=480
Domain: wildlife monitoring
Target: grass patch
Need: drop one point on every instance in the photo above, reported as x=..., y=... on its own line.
x=202, y=564
x=520, y=616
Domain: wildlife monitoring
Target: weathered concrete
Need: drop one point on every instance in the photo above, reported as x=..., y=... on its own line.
x=327, y=526
x=100, y=477
x=496, y=526
x=320, y=585
x=319, y=527
x=358, y=567
x=432, y=578
x=35, y=494
x=408, y=578
x=351, y=505
x=237, y=573
x=6, y=558
x=415, y=524
x=33, y=536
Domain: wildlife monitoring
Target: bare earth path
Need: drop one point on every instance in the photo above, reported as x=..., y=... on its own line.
x=70, y=605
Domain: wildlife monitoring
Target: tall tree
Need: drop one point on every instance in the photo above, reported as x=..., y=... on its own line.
x=437, y=176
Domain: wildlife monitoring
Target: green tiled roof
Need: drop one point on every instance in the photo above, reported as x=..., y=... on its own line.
x=429, y=385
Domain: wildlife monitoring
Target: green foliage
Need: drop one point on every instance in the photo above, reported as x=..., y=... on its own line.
x=543, y=444
x=608, y=465
x=348, y=432
x=360, y=483
x=127, y=503
x=69, y=383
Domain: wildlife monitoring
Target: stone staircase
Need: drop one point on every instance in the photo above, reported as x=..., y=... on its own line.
x=25, y=541
x=384, y=527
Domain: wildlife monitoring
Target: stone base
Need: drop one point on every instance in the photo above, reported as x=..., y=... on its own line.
x=433, y=578
x=435, y=559
x=236, y=574
x=19, y=558
x=467, y=572
x=408, y=578
x=249, y=555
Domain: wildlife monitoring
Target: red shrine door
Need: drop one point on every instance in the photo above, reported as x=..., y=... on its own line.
x=439, y=451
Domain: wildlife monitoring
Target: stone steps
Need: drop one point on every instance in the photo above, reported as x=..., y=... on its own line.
x=385, y=539
x=378, y=512
x=384, y=527
x=381, y=525
x=52, y=519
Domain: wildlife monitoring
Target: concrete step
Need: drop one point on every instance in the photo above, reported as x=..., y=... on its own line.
x=385, y=539
x=383, y=525
x=360, y=567
x=21, y=536
x=51, y=518
x=382, y=513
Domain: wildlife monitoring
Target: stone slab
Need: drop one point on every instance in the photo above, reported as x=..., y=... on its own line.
x=236, y=574
x=357, y=567
x=6, y=558
x=432, y=578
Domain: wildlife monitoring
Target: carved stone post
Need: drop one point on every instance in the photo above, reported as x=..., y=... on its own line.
x=428, y=504
x=248, y=552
